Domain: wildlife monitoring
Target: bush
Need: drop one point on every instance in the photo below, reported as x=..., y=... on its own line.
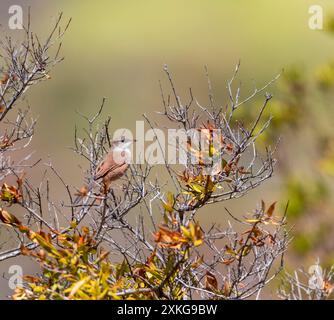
x=180, y=260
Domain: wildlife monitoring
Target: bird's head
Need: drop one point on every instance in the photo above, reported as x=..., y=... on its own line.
x=122, y=143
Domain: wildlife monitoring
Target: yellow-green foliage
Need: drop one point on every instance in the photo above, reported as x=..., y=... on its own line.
x=73, y=267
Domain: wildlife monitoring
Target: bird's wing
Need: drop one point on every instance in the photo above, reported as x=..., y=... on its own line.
x=104, y=167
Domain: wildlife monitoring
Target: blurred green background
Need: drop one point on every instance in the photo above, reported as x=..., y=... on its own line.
x=116, y=49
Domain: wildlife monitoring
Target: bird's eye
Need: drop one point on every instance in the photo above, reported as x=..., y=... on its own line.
x=122, y=139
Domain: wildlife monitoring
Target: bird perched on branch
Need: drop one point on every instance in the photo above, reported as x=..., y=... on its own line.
x=115, y=163
x=111, y=168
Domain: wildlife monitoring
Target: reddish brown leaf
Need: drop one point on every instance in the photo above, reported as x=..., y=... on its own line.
x=9, y=219
x=211, y=282
x=271, y=209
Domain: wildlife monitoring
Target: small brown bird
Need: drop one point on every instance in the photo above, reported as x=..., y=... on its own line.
x=115, y=163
